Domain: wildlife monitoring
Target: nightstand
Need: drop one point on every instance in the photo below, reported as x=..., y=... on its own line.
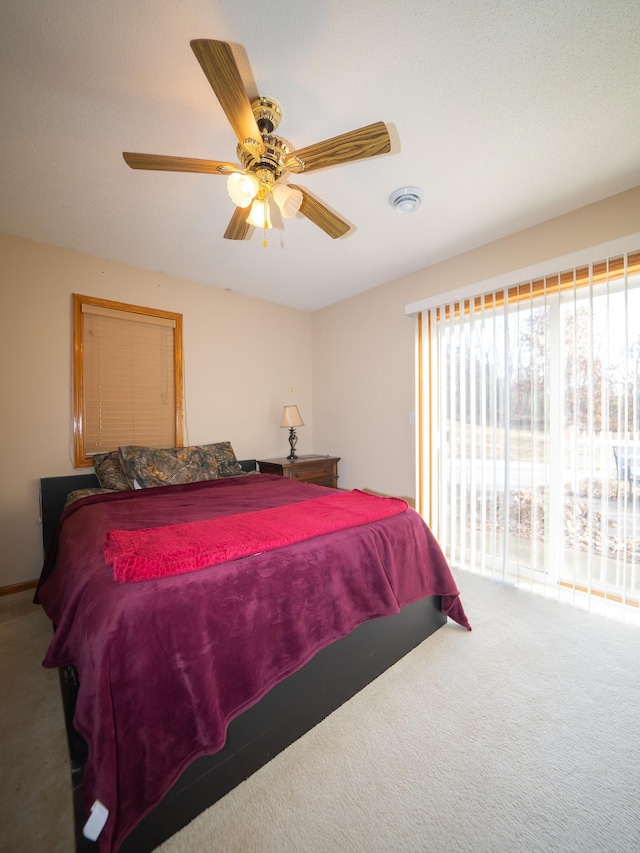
x=321, y=470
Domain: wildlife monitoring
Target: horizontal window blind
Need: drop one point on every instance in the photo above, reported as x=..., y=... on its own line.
x=129, y=377
x=530, y=432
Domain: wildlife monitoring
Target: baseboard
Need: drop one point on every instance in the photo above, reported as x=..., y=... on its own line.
x=18, y=587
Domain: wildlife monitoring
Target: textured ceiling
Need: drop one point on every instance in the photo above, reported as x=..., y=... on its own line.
x=504, y=113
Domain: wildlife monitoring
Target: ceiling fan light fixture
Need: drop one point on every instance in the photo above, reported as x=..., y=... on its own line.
x=264, y=158
x=406, y=199
x=260, y=215
x=242, y=188
x=287, y=199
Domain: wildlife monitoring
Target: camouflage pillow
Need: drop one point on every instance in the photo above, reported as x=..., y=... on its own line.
x=222, y=452
x=109, y=472
x=152, y=466
x=86, y=493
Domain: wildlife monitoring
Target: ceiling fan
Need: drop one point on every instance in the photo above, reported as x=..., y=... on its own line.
x=264, y=157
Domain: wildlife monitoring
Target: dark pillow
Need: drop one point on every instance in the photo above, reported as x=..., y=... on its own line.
x=109, y=472
x=222, y=452
x=169, y=466
x=86, y=493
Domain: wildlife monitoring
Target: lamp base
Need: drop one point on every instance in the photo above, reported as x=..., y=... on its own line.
x=293, y=438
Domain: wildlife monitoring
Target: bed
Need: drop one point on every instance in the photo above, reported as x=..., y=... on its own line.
x=179, y=686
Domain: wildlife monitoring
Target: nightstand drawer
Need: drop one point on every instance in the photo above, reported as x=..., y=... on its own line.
x=313, y=473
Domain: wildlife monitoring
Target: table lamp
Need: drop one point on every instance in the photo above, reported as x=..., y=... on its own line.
x=291, y=418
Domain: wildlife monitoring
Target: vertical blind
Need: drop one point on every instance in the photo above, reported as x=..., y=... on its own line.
x=530, y=433
x=128, y=379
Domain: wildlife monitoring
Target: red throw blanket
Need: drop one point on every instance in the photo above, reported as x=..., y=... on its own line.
x=156, y=552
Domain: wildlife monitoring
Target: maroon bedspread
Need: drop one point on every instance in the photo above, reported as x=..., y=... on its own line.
x=165, y=665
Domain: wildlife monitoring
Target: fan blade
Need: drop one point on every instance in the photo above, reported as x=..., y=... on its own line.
x=220, y=68
x=320, y=215
x=178, y=164
x=355, y=145
x=238, y=227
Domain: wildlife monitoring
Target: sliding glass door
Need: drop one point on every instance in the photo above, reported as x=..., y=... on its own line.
x=531, y=431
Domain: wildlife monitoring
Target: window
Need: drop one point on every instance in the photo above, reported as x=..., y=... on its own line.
x=127, y=377
x=531, y=402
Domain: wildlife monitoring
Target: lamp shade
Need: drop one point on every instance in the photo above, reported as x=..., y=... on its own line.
x=242, y=188
x=287, y=199
x=260, y=215
x=291, y=417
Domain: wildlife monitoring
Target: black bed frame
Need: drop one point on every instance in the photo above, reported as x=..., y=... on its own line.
x=284, y=714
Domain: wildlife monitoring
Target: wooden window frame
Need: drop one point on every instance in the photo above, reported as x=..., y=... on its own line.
x=81, y=458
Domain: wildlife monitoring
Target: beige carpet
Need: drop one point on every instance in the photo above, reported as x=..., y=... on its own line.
x=523, y=735
x=35, y=787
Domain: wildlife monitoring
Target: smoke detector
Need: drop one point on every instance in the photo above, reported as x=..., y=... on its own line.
x=406, y=199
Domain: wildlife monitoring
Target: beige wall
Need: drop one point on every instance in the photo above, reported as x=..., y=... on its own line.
x=364, y=347
x=238, y=369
